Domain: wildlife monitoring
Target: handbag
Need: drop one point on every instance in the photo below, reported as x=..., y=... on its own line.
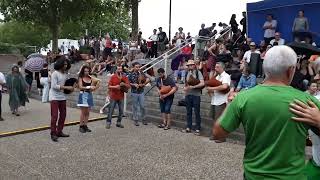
x=182, y=102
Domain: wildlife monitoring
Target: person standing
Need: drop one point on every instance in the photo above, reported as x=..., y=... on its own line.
x=269, y=27
x=233, y=23
x=166, y=98
x=44, y=81
x=192, y=98
x=204, y=35
x=300, y=27
x=219, y=99
x=154, y=46
x=58, y=99
x=17, y=87
x=118, y=85
x=2, y=83
x=162, y=40
x=264, y=113
x=85, y=101
x=243, y=22
x=138, y=81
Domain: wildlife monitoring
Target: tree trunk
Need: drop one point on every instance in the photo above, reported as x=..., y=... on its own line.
x=55, y=36
x=135, y=16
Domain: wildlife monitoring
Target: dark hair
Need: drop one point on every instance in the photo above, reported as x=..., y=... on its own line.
x=45, y=65
x=275, y=44
x=301, y=11
x=160, y=70
x=19, y=63
x=270, y=15
x=59, y=64
x=135, y=63
x=15, y=66
x=81, y=74
x=233, y=16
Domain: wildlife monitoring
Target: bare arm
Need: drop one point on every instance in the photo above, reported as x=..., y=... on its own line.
x=218, y=132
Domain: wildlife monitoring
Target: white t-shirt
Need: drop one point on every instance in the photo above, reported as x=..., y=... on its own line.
x=219, y=98
x=247, y=55
x=2, y=80
x=268, y=33
x=315, y=147
x=154, y=37
x=280, y=42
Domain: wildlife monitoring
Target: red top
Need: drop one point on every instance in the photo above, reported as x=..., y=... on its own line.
x=116, y=94
x=186, y=50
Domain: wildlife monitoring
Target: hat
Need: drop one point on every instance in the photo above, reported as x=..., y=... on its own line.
x=252, y=44
x=190, y=62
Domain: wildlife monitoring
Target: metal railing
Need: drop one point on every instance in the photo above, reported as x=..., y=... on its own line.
x=165, y=56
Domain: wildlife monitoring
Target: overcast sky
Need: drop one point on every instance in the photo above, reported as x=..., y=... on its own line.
x=188, y=14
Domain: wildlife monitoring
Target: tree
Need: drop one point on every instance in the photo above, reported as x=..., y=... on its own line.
x=50, y=13
x=135, y=16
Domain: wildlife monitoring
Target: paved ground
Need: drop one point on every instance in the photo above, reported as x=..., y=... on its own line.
x=144, y=152
x=35, y=114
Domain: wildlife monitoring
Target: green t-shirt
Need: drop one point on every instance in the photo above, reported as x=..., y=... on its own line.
x=275, y=144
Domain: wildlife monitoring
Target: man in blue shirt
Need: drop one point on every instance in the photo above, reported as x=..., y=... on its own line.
x=247, y=80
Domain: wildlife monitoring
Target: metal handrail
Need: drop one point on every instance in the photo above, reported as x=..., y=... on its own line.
x=187, y=42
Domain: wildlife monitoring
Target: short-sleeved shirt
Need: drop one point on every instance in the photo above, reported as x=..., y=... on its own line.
x=168, y=81
x=247, y=55
x=268, y=33
x=2, y=80
x=275, y=144
x=116, y=94
x=133, y=78
x=218, y=97
x=195, y=92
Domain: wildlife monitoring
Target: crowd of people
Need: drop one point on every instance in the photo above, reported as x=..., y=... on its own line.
x=266, y=111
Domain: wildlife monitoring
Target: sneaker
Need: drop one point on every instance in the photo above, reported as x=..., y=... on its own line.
x=161, y=125
x=82, y=129
x=144, y=122
x=108, y=126
x=54, y=138
x=1, y=119
x=136, y=123
x=166, y=128
x=197, y=132
x=101, y=111
x=187, y=130
x=119, y=125
x=87, y=129
x=63, y=135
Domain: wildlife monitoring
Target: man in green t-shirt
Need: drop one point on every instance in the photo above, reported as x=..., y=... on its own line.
x=275, y=145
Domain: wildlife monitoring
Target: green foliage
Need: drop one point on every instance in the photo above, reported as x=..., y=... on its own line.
x=23, y=49
x=30, y=21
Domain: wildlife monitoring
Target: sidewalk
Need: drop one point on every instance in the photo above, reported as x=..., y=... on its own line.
x=35, y=114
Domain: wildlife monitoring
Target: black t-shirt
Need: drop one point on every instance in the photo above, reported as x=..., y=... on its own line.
x=166, y=82
x=44, y=73
x=204, y=32
x=162, y=36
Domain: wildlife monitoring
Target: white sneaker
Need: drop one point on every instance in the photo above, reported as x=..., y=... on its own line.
x=101, y=111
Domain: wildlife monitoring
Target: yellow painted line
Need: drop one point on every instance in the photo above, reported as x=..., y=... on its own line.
x=41, y=128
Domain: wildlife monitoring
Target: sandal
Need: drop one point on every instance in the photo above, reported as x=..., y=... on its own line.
x=161, y=125
x=197, y=133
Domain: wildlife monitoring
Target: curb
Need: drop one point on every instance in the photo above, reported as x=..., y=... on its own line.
x=42, y=128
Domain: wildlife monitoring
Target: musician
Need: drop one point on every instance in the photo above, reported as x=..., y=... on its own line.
x=219, y=99
x=87, y=85
x=138, y=81
x=192, y=96
x=165, y=98
x=118, y=85
x=154, y=45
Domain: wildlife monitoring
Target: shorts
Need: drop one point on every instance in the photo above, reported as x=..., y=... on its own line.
x=216, y=111
x=85, y=99
x=165, y=105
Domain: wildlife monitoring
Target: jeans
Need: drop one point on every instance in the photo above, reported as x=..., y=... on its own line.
x=193, y=102
x=165, y=105
x=181, y=72
x=112, y=105
x=44, y=81
x=58, y=107
x=138, y=109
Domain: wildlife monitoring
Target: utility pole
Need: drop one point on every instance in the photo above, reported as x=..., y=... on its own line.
x=170, y=21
